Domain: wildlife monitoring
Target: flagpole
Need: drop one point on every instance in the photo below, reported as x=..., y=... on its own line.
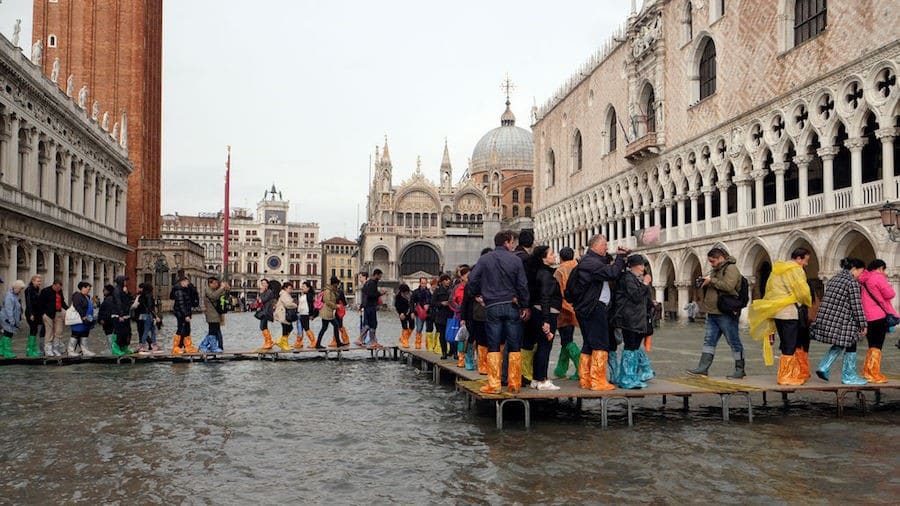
x=225, y=231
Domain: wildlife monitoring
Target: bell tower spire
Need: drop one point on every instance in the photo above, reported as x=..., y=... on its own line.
x=446, y=169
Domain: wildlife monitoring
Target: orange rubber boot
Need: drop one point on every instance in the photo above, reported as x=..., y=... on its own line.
x=598, y=371
x=310, y=336
x=495, y=362
x=418, y=340
x=176, y=345
x=298, y=343
x=872, y=367
x=482, y=360
x=404, y=338
x=584, y=371
x=345, y=337
x=514, y=375
x=802, y=359
x=268, y=344
x=788, y=372
x=188, y=347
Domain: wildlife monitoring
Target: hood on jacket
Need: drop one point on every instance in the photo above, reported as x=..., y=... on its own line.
x=120, y=280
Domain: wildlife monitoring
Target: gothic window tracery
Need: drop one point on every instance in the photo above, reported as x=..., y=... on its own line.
x=707, y=69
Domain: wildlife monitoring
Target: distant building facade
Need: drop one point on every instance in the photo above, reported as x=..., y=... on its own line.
x=64, y=183
x=421, y=228
x=757, y=126
x=205, y=229
x=338, y=259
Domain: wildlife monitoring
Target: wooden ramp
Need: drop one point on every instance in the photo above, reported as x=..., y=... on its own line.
x=685, y=387
x=257, y=354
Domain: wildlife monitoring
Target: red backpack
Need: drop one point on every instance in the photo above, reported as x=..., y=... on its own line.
x=320, y=301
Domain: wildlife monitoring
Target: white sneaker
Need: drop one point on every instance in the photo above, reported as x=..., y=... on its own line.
x=536, y=385
x=547, y=385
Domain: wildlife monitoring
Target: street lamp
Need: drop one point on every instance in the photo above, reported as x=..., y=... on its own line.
x=890, y=220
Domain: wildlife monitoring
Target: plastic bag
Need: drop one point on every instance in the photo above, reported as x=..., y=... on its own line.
x=452, y=329
x=72, y=316
x=767, y=351
x=462, y=334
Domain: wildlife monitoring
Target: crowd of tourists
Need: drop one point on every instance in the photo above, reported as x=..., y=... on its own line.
x=501, y=315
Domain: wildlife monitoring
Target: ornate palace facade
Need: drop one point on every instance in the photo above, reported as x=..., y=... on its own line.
x=64, y=183
x=759, y=126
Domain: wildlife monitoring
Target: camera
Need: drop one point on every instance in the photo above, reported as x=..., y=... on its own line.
x=699, y=282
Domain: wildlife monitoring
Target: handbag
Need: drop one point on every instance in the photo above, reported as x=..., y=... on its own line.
x=72, y=316
x=341, y=310
x=452, y=329
x=889, y=319
x=291, y=315
x=421, y=312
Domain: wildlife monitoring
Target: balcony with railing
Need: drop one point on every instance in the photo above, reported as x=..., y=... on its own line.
x=642, y=147
x=843, y=199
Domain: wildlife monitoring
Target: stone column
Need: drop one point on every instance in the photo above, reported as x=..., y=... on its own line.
x=13, y=272
x=79, y=275
x=9, y=138
x=100, y=211
x=92, y=277
x=827, y=155
x=803, y=162
x=32, y=267
x=656, y=214
x=855, y=145
x=758, y=176
x=646, y=217
x=76, y=203
x=628, y=221
x=679, y=199
x=27, y=183
x=110, y=218
x=695, y=214
x=66, y=283
x=120, y=207
x=886, y=136
x=64, y=176
x=660, y=292
x=668, y=204
x=723, y=202
x=742, y=183
x=683, y=296
x=50, y=263
x=707, y=210
x=90, y=183
x=51, y=179
x=779, y=168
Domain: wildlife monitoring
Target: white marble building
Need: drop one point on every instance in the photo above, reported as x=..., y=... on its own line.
x=63, y=186
x=757, y=126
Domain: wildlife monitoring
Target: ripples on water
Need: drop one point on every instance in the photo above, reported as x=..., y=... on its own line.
x=379, y=432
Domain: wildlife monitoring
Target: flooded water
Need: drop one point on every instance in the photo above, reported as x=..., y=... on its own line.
x=366, y=431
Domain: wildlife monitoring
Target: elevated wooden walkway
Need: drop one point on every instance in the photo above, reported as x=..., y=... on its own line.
x=685, y=387
x=257, y=354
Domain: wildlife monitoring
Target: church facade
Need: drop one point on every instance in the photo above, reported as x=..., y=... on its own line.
x=421, y=228
x=757, y=126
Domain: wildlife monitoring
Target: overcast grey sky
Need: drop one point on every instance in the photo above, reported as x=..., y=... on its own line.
x=304, y=90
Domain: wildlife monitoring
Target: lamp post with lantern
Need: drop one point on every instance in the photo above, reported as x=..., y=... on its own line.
x=890, y=220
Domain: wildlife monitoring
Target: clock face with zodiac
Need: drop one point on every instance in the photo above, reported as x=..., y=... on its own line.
x=273, y=263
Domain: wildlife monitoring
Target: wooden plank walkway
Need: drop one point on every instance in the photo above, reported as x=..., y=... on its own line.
x=685, y=387
x=257, y=354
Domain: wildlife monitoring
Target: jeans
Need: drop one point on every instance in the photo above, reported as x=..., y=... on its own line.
x=503, y=321
x=542, y=355
x=428, y=323
x=595, y=330
x=148, y=336
x=716, y=325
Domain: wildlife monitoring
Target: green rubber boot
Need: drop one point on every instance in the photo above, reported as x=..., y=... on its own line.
x=114, y=346
x=575, y=356
x=32, y=349
x=562, y=364
x=6, y=347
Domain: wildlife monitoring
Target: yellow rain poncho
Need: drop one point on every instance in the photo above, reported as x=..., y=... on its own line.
x=787, y=285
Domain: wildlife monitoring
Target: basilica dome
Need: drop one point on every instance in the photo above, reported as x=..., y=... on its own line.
x=514, y=147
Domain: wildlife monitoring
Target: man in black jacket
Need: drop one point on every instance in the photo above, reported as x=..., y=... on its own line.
x=590, y=294
x=33, y=317
x=184, y=298
x=121, y=317
x=52, y=304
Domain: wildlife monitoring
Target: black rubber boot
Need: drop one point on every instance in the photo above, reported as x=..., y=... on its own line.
x=706, y=360
x=738, y=370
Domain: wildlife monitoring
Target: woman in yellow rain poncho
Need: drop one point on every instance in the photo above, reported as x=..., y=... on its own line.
x=786, y=290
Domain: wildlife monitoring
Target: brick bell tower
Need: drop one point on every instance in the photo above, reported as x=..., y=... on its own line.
x=114, y=47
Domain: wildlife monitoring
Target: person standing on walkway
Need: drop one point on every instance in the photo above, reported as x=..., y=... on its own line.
x=215, y=290
x=266, y=301
x=182, y=296
x=82, y=302
x=327, y=313
x=421, y=301
x=876, y=302
x=440, y=309
x=589, y=291
x=566, y=322
x=285, y=303
x=786, y=291
x=145, y=311
x=371, y=294
x=691, y=308
x=105, y=318
x=305, y=303
x=724, y=279
x=53, y=312
x=841, y=321
x=633, y=304
x=11, y=318
x=405, y=313
x=33, y=317
x=499, y=282
x=121, y=317
x=546, y=306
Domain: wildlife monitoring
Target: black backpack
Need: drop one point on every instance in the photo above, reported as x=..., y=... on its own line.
x=731, y=305
x=575, y=287
x=224, y=304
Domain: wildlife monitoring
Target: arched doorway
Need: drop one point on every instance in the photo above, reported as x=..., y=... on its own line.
x=812, y=268
x=693, y=270
x=381, y=259
x=757, y=267
x=852, y=243
x=669, y=300
x=420, y=258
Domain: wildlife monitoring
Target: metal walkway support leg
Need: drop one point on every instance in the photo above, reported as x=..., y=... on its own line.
x=499, y=408
x=725, y=398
